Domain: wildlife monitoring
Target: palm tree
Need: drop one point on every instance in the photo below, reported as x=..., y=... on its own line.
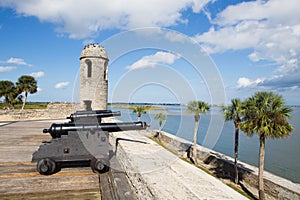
x=266, y=115
x=197, y=107
x=26, y=84
x=140, y=110
x=234, y=112
x=7, y=90
x=15, y=97
x=161, y=117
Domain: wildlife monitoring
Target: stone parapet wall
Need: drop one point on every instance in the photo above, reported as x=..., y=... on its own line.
x=54, y=110
x=223, y=167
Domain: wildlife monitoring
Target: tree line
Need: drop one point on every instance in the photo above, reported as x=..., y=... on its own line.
x=17, y=93
x=264, y=114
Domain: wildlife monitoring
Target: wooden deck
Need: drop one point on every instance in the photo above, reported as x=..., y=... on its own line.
x=19, y=179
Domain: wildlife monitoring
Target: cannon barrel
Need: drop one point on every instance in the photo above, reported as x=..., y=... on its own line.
x=93, y=114
x=93, y=111
x=57, y=130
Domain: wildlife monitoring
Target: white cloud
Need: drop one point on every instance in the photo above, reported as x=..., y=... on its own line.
x=242, y=36
x=18, y=61
x=276, y=11
x=271, y=29
x=291, y=66
x=37, y=74
x=97, y=15
x=282, y=81
x=61, y=85
x=197, y=5
x=174, y=36
x=288, y=79
x=6, y=68
x=153, y=60
x=246, y=82
x=254, y=57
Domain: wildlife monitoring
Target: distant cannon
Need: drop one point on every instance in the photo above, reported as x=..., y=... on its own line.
x=83, y=141
x=91, y=116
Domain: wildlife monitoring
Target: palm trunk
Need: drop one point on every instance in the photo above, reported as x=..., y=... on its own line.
x=160, y=123
x=236, y=148
x=261, y=167
x=7, y=103
x=25, y=98
x=195, y=140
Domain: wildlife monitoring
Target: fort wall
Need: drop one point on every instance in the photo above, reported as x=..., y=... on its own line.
x=222, y=166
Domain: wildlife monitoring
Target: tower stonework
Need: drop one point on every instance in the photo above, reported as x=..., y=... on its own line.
x=93, y=77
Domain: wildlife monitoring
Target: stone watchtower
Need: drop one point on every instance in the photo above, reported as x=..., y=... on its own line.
x=93, y=77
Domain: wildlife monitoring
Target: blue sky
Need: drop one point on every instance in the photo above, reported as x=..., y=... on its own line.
x=153, y=46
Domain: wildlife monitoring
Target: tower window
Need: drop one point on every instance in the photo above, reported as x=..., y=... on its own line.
x=105, y=70
x=89, y=68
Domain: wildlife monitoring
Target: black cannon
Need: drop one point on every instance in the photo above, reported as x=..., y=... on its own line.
x=57, y=130
x=91, y=117
x=83, y=141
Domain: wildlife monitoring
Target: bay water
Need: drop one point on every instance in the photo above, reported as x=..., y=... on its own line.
x=282, y=155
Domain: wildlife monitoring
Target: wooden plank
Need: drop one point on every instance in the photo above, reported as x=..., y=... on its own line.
x=52, y=183
x=19, y=140
x=120, y=182
x=121, y=186
x=91, y=194
x=106, y=189
x=18, y=176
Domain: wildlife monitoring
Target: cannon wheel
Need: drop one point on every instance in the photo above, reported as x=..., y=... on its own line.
x=46, y=166
x=98, y=167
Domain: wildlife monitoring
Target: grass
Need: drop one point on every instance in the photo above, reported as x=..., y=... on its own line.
x=201, y=167
x=239, y=190
x=28, y=105
x=131, y=107
x=161, y=144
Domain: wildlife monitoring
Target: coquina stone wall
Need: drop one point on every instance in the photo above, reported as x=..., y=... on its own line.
x=54, y=110
x=223, y=167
